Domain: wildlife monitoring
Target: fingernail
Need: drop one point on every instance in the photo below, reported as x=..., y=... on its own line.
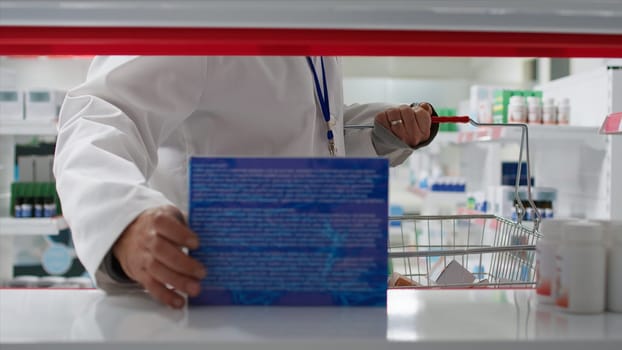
x=193, y=288
x=178, y=302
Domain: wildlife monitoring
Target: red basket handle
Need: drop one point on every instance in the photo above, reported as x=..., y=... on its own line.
x=453, y=119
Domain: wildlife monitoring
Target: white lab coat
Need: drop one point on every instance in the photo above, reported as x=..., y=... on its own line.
x=126, y=133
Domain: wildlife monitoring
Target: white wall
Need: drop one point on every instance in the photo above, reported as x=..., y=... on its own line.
x=444, y=82
x=440, y=93
x=500, y=71
x=44, y=72
x=407, y=67
x=580, y=65
x=588, y=92
x=577, y=66
x=440, y=81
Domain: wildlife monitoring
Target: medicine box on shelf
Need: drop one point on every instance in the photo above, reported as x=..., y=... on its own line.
x=11, y=104
x=34, y=199
x=40, y=104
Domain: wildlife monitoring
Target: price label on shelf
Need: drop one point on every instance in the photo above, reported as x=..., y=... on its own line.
x=612, y=124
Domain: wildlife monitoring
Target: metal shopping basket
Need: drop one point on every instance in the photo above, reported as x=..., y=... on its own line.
x=458, y=251
x=491, y=251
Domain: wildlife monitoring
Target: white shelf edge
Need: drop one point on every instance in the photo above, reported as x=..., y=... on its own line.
x=535, y=132
x=31, y=226
x=28, y=127
x=446, y=136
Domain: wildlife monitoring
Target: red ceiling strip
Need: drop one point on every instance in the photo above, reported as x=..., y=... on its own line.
x=31, y=40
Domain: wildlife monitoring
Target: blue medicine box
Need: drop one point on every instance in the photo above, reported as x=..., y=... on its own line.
x=509, y=171
x=291, y=231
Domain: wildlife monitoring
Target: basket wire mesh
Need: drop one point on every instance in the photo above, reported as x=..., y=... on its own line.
x=495, y=251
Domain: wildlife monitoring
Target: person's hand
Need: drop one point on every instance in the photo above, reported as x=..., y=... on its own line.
x=409, y=124
x=150, y=252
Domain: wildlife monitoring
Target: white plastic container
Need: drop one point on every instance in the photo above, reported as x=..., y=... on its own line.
x=517, y=110
x=563, y=112
x=534, y=110
x=484, y=112
x=549, y=112
x=546, y=253
x=582, y=268
x=614, y=265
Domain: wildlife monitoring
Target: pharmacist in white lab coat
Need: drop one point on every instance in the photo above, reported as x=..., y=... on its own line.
x=126, y=133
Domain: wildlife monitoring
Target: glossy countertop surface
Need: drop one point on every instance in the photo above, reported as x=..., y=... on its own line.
x=445, y=318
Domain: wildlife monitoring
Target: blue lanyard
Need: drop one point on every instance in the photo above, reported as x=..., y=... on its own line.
x=324, y=103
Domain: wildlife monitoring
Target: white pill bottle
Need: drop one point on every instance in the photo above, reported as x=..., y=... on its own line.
x=546, y=252
x=581, y=261
x=563, y=111
x=517, y=110
x=534, y=110
x=549, y=112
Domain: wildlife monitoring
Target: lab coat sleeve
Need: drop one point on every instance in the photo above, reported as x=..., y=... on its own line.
x=358, y=142
x=377, y=140
x=110, y=128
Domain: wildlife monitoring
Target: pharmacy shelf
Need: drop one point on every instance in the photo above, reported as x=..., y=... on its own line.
x=27, y=127
x=612, y=124
x=447, y=137
x=536, y=132
x=31, y=226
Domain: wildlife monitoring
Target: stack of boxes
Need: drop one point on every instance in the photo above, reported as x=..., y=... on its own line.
x=34, y=192
x=481, y=101
x=32, y=104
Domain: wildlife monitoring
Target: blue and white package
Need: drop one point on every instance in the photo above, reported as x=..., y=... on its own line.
x=291, y=231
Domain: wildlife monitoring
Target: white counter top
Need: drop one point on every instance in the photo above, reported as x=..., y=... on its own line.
x=413, y=319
